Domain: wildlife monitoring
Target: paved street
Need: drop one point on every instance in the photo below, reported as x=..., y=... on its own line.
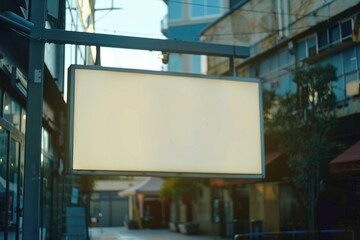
x=123, y=233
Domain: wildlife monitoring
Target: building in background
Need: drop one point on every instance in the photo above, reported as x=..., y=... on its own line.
x=283, y=35
x=107, y=207
x=185, y=21
x=80, y=16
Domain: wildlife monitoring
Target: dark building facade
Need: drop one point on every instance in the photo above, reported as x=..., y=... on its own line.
x=58, y=190
x=283, y=35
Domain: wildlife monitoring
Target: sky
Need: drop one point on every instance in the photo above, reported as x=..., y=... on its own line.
x=139, y=18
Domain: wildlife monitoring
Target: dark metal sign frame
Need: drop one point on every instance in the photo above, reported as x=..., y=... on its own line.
x=244, y=123
x=37, y=33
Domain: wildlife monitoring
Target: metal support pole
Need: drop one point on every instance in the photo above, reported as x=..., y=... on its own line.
x=232, y=66
x=98, y=55
x=232, y=63
x=32, y=183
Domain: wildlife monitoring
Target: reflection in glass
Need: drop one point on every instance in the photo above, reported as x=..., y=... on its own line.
x=349, y=60
x=13, y=182
x=21, y=191
x=3, y=170
x=11, y=111
x=47, y=157
x=23, y=120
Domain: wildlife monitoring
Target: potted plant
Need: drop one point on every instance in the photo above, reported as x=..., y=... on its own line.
x=189, y=228
x=131, y=224
x=184, y=190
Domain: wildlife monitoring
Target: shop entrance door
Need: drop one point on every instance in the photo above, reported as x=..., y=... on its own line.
x=11, y=178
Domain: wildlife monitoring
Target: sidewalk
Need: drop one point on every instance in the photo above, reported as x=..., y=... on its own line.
x=122, y=233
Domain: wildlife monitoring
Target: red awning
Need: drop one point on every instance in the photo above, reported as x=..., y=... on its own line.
x=271, y=156
x=348, y=161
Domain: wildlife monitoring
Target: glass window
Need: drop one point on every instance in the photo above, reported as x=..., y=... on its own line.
x=284, y=58
x=323, y=41
x=346, y=29
x=45, y=140
x=358, y=54
x=197, y=8
x=334, y=34
x=175, y=10
x=306, y=48
x=47, y=144
x=286, y=85
x=336, y=61
x=11, y=111
x=195, y=66
x=338, y=88
x=21, y=189
x=301, y=50
x=349, y=60
x=3, y=170
x=14, y=180
x=274, y=63
x=283, y=87
x=213, y=7
x=292, y=84
x=23, y=121
x=253, y=71
x=289, y=205
x=175, y=62
x=264, y=67
x=311, y=46
x=203, y=8
x=275, y=86
x=46, y=191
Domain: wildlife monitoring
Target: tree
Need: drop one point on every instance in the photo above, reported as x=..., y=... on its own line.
x=300, y=124
x=185, y=189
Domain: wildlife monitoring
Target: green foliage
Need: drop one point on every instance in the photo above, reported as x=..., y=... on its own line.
x=178, y=187
x=268, y=99
x=301, y=123
x=308, y=115
x=87, y=183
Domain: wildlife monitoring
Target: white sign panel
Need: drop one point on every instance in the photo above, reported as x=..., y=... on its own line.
x=154, y=123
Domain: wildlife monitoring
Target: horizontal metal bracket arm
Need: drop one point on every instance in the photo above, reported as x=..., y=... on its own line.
x=173, y=46
x=106, y=40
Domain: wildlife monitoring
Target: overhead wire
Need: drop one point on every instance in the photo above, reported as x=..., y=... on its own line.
x=195, y=36
x=220, y=35
x=118, y=32
x=245, y=10
x=270, y=31
x=257, y=32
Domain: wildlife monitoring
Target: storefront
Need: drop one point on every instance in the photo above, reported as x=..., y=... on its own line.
x=12, y=133
x=12, y=162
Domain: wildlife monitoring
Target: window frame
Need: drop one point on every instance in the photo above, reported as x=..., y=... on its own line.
x=176, y=4
x=205, y=5
x=308, y=52
x=341, y=29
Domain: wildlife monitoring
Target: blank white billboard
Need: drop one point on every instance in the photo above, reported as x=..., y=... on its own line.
x=155, y=123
